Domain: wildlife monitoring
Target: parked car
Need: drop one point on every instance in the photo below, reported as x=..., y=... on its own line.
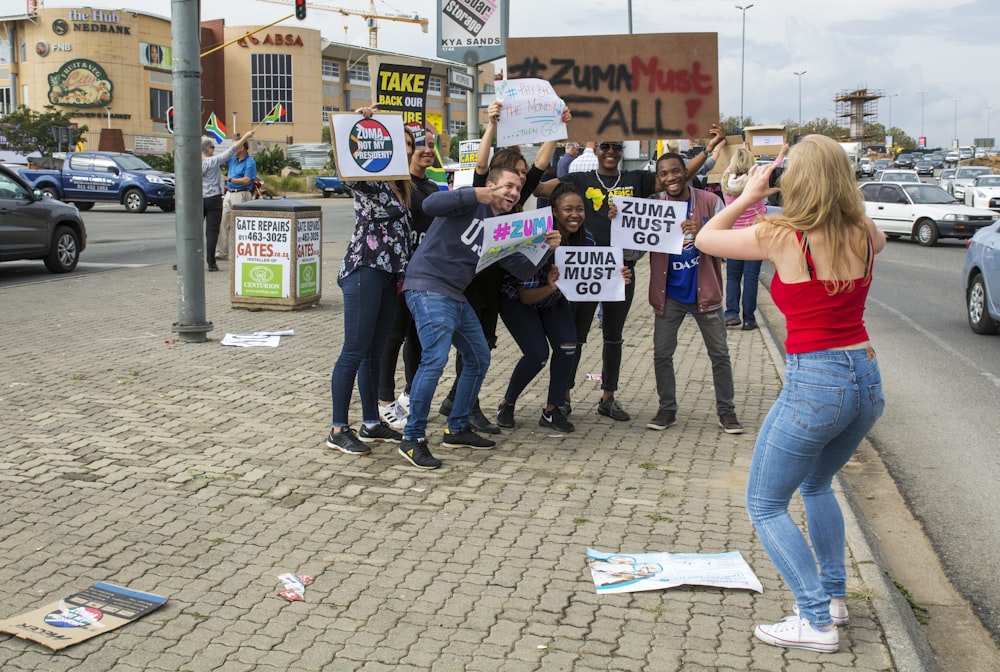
x=924, y=167
x=905, y=161
x=984, y=192
x=866, y=166
x=981, y=280
x=925, y=212
x=884, y=164
x=331, y=185
x=964, y=176
x=33, y=226
x=87, y=178
x=945, y=178
x=896, y=176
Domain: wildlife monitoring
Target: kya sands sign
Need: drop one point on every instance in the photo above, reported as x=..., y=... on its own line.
x=472, y=31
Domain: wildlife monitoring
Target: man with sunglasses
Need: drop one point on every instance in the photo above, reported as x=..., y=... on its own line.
x=599, y=186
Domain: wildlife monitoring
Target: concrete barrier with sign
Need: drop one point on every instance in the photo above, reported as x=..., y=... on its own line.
x=276, y=255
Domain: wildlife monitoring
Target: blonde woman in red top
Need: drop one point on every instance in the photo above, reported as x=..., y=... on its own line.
x=822, y=246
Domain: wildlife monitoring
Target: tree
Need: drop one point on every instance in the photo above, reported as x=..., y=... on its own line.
x=27, y=131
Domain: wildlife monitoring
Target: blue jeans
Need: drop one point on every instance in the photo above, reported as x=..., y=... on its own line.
x=369, y=304
x=749, y=273
x=831, y=399
x=441, y=322
x=613, y=315
x=713, y=332
x=534, y=329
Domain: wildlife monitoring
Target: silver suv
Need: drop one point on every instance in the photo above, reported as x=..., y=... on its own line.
x=964, y=176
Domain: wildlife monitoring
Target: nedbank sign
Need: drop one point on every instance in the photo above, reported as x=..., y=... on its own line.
x=90, y=20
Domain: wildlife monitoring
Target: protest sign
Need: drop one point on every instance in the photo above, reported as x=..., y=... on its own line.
x=263, y=256
x=591, y=273
x=468, y=150
x=634, y=572
x=531, y=113
x=648, y=224
x=633, y=87
x=80, y=616
x=517, y=232
x=403, y=88
x=370, y=149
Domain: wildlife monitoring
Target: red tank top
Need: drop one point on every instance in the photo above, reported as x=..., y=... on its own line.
x=815, y=320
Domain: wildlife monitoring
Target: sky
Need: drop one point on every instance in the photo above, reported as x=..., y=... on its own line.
x=899, y=47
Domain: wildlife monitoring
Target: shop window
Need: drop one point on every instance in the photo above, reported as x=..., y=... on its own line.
x=6, y=100
x=331, y=70
x=159, y=101
x=327, y=109
x=270, y=84
x=434, y=86
x=358, y=74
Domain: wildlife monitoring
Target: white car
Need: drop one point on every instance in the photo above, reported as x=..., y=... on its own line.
x=984, y=192
x=964, y=176
x=893, y=175
x=866, y=167
x=925, y=212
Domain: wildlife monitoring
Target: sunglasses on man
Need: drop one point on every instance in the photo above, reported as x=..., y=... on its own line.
x=610, y=146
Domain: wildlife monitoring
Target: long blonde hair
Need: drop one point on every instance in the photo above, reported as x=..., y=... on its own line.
x=820, y=194
x=741, y=163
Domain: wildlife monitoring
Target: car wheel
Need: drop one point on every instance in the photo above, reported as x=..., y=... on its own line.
x=135, y=201
x=926, y=232
x=83, y=207
x=327, y=194
x=979, y=317
x=65, y=251
x=893, y=236
x=50, y=192
x=168, y=207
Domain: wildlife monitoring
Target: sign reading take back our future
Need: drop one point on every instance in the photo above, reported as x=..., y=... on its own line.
x=627, y=87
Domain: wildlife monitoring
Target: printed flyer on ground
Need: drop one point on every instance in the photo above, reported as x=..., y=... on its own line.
x=634, y=572
x=263, y=256
x=80, y=616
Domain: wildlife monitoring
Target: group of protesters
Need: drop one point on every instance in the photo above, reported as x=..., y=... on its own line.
x=409, y=279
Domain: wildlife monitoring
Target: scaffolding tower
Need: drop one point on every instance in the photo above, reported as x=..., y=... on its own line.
x=857, y=108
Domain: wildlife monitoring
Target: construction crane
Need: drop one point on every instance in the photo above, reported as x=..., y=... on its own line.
x=371, y=16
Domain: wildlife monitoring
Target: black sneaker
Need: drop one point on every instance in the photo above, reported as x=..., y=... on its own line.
x=729, y=423
x=554, y=419
x=749, y=326
x=418, y=454
x=346, y=441
x=663, y=419
x=379, y=433
x=479, y=422
x=466, y=439
x=445, y=407
x=566, y=409
x=505, y=415
x=732, y=321
x=613, y=410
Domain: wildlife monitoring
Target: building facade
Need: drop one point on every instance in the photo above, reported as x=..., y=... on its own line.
x=113, y=69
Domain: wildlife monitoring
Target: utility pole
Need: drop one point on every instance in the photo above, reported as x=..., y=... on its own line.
x=922, y=94
x=743, y=57
x=799, y=75
x=191, y=325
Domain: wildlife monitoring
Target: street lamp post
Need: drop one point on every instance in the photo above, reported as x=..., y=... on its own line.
x=955, y=132
x=799, y=75
x=988, y=108
x=922, y=94
x=743, y=56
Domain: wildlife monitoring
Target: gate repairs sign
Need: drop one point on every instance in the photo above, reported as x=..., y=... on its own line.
x=307, y=256
x=263, y=256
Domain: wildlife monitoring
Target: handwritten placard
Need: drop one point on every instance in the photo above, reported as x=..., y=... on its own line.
x=627, y=87
x=591, y=273
x=531, y=112
x=370, y=149
x=515, y=233
x=648, y=224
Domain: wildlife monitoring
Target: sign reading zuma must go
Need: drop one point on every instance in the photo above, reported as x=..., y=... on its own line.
x=627, y=87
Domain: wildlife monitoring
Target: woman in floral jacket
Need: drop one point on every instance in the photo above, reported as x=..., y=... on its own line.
x=369, y=278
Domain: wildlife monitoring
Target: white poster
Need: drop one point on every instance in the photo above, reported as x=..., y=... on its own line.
x=263, y=256
x=531, y=113
x=648, y=224
x=370, y=149
x=633, y=572
x=591, y=273
x=517, y=232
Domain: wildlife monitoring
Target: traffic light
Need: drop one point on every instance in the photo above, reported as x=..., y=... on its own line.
x=300, y=9
x=169, y=119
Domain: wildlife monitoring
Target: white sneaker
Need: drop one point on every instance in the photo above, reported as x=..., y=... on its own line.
x=838, y=612
x=392, y=415
x=403, y=401
x=796, y=632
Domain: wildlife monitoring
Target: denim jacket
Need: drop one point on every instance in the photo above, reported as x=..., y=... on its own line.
x=704, y=205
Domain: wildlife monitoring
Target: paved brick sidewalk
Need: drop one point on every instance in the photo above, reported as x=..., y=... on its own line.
x=199, y=472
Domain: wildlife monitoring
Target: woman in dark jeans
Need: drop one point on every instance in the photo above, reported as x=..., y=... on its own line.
x=369, y=278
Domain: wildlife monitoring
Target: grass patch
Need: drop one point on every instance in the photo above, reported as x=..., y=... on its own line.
x=657, y=518
x=580, y=521
x=648, y=466
x=78, y=376
x=218, y=477
x=922, y=614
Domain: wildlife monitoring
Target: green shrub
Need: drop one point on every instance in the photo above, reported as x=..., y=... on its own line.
x=164, y=162
x=271, y=161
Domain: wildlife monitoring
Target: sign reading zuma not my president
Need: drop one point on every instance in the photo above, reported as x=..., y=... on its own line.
x=627, y=87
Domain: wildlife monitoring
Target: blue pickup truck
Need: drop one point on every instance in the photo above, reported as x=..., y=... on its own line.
x=331, y=185
x=87, y=178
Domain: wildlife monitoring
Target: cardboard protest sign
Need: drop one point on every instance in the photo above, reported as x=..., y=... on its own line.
x=733, y=142
x=633, y=87
x=515, y=233
x=765, y=140
x=403, y=88
x=74, y=619
x=591, y=273
x=648, y=224
x=531, y=113
x=370, y=149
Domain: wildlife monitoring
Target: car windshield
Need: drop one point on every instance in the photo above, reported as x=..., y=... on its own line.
x=947, y=174
x=128, y=162
x=928, y=193
x=991, y=181
x=971, y=172
x=899, y=177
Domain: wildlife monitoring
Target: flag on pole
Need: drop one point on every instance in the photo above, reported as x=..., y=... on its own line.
x=216, y=129
x=436, y=172
x=276, y=114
